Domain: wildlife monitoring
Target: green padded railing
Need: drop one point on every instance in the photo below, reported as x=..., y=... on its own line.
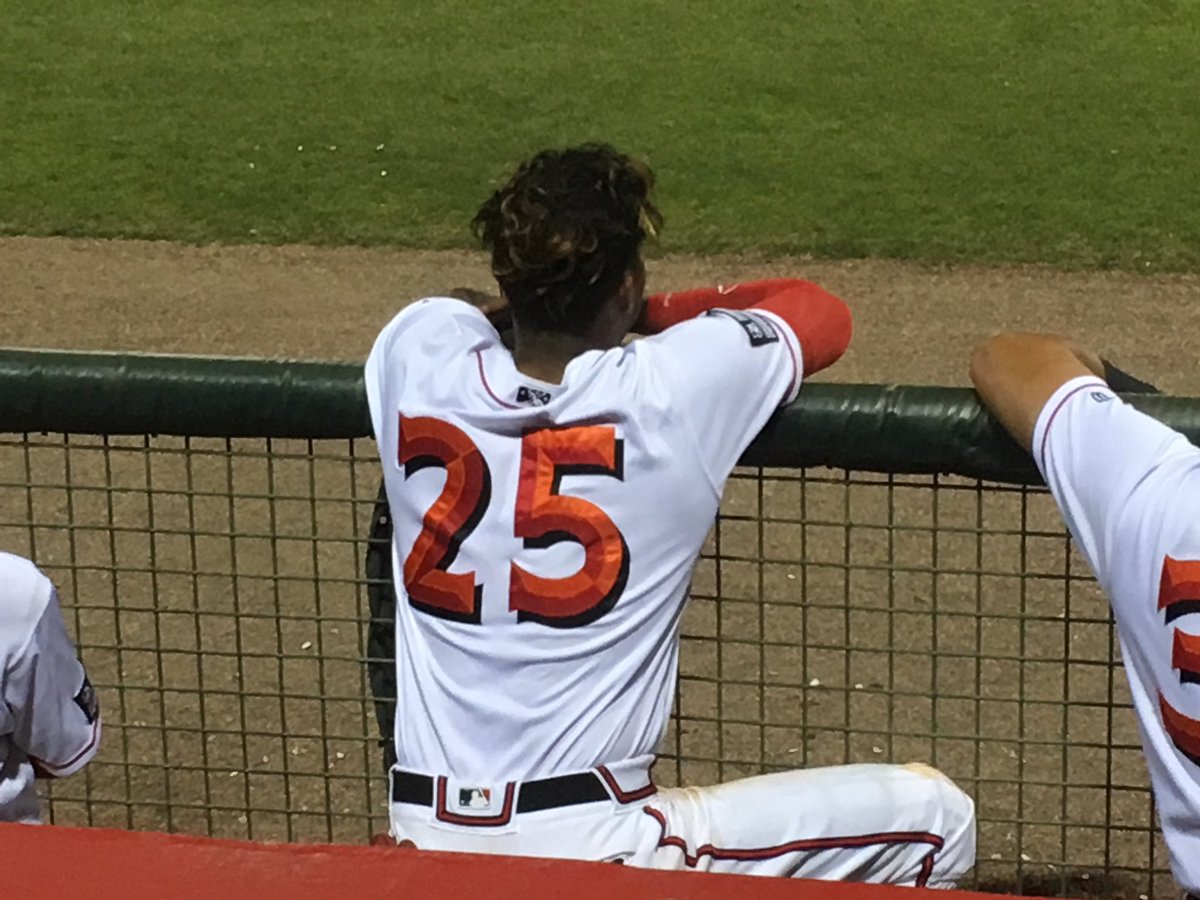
x=865, y=427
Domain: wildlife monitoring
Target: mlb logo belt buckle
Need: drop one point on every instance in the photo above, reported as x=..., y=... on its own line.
x=462, y=803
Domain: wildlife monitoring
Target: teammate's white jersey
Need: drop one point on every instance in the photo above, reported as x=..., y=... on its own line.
x=544, y=535
x=49, y=717
x=1129, y=489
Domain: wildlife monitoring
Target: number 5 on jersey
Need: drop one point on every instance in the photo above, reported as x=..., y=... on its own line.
x=542, y=517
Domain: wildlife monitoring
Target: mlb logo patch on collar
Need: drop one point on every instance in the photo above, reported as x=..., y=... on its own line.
x=532, y=396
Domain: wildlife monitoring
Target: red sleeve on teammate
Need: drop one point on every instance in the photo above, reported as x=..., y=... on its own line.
x=821, y=322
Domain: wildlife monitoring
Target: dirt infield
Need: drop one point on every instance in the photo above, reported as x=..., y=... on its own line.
x=180, y=754
x=913, y=324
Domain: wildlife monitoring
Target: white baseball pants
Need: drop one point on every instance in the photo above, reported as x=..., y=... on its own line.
x=901, y=825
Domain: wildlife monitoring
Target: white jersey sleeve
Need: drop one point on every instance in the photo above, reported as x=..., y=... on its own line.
x=54, y=712
x=1095, y=452
x=56, y=709
x=730, y=370
x=1129, y=490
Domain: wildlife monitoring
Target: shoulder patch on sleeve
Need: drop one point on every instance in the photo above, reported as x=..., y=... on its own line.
x=759, y=329
x=87, y=700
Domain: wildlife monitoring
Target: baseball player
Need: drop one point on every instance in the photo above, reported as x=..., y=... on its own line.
x=548, y=505
x=1129, y=490
x=49, y=714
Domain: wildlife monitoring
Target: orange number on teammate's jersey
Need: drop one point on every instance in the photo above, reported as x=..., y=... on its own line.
x=545, y=517
x=425, y=442
x=1178, y=595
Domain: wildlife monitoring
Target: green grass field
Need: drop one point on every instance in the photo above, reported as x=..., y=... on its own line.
x=994, y=130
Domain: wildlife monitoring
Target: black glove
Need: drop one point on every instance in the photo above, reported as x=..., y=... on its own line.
x=1124, y=383
x=381, y=629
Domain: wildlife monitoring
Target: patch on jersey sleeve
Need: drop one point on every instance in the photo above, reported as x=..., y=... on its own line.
x=87, y=700
x=760, y=330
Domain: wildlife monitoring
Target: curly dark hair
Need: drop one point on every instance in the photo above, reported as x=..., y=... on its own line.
x=564, y=231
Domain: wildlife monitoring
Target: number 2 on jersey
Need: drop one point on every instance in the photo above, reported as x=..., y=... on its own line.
x=542, y=517
x=426, y=442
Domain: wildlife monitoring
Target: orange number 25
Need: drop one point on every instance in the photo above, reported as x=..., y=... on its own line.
x=542, y=517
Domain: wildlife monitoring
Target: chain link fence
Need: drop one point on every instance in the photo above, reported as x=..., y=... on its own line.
x=216, y=590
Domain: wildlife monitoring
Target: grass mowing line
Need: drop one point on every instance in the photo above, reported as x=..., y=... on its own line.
x=961, y=130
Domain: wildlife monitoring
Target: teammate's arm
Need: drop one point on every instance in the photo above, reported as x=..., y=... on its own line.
x=1102, y=459
x=55, y=708
x=820, y=321
x=1016, y=374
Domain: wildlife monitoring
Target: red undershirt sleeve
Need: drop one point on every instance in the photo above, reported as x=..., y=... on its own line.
x=821, y=322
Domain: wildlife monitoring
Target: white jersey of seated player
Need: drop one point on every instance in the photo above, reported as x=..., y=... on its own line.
x=1129, y=490
x=544, y=541
x=49, y=717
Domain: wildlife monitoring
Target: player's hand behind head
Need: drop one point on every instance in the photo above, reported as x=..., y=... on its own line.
x=494, y=306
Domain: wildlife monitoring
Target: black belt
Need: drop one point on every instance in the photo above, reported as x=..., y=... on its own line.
x=544, y=793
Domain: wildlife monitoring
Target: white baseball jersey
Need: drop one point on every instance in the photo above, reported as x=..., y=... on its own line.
x=1129, y=489
x=544, y=538
x=544, y=534
x=49, y=716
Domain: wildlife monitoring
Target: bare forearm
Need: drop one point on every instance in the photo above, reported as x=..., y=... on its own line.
x=1015, y=375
